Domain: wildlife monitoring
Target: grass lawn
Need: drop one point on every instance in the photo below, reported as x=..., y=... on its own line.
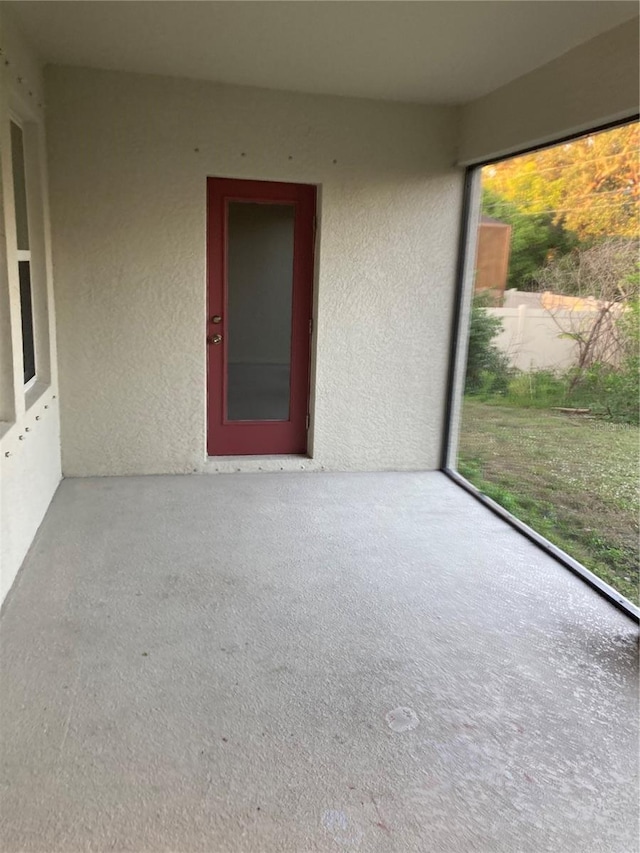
x=573, y=480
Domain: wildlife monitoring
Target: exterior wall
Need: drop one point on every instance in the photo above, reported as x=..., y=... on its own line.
x=128, y=157
x=29, y=423
x=590, y=85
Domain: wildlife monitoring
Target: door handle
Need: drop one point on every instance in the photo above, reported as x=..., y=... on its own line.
x=214, y=339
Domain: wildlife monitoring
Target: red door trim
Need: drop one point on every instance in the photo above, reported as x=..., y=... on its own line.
x=259, y=437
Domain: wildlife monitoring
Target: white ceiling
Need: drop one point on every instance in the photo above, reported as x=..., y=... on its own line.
x=430, y=52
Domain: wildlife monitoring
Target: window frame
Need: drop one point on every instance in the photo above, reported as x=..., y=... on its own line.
x=31, y=125
x=24, y=255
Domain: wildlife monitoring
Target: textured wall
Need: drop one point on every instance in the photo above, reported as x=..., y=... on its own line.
x=594, y=83
x=29, y=448
x=128, y=157
x=28, y=480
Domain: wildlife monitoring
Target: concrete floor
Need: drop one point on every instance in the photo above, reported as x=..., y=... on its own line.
x=309, y=662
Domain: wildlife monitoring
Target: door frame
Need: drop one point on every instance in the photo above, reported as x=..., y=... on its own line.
x=258, y=438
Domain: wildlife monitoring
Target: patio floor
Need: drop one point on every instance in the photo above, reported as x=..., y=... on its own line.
x=309, y=662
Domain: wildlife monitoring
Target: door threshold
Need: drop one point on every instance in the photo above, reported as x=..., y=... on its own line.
x=254, y=464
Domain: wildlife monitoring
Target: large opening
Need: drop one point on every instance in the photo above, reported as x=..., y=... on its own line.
x=545, y=423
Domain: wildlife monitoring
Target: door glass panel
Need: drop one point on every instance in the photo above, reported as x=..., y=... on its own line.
x=259, y=295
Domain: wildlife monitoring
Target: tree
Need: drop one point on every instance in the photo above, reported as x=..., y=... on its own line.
x=535, y=238
x=487, y=366
x=605, y=276
x=590, y=186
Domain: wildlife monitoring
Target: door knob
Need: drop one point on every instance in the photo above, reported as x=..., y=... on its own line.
x=214, y=339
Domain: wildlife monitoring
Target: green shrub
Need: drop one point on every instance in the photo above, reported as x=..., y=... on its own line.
x=540, y=389
x=623, y=394
x=624, y=385
x=607, y=392
x=487, y=367
x=610, y=392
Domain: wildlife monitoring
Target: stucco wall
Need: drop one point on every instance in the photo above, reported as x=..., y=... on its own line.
x=590, y=85
x=29, y=423
x=128, y=158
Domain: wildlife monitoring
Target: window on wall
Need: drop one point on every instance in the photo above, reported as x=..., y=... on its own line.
x=24, y=252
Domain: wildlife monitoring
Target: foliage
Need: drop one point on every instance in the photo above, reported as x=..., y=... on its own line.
x=590, y=186
x=606, y=270
x=615, y=391
x=487, y=367
x=608, y=338
x=535, y=238
x=538, y=389
x=541, y=195
x=609, y=394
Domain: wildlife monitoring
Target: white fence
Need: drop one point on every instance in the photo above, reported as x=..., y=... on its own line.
x=533, y=338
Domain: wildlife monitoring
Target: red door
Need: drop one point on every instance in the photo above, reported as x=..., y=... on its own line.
x=260, y=277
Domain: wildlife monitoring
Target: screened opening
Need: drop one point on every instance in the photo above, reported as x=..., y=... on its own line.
x=548, y=421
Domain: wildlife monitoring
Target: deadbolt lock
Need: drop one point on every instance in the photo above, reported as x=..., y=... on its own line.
x=216, y=318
